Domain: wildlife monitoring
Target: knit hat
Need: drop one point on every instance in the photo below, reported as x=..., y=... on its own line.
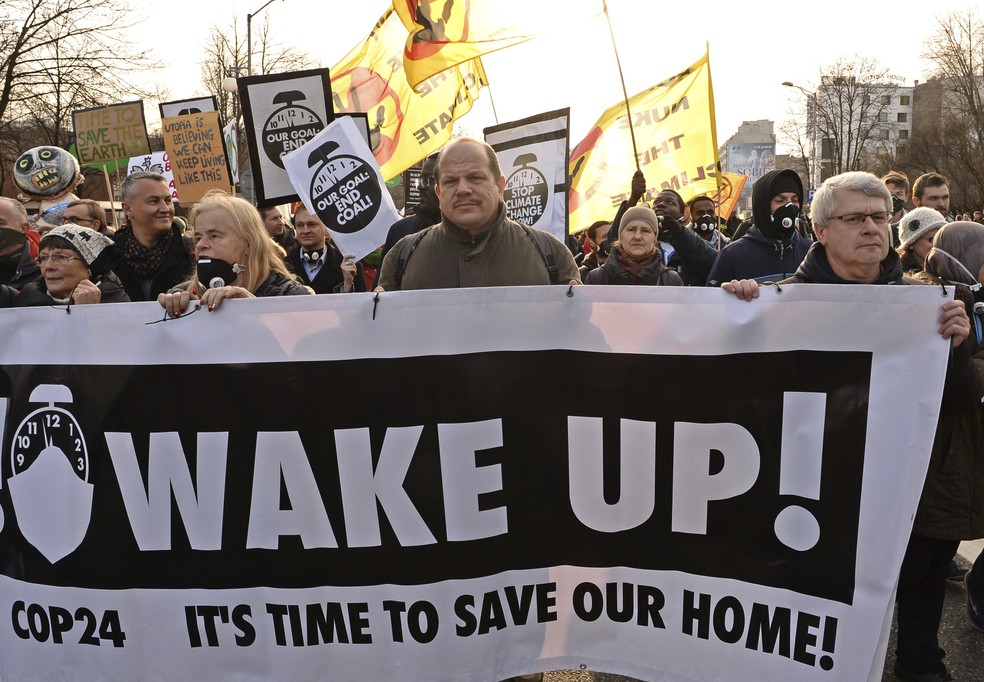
x=918, y=222
x=87, y=242
x=643, y=213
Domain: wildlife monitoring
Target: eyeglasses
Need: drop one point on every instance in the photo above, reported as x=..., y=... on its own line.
x=426, y=181
x=56, y=258
x=77, y=221
x=856, y=219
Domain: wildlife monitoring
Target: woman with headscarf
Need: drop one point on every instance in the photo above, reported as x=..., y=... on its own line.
x=74, y=264
x=236, y=257
x=636, y=257
x=951, y=507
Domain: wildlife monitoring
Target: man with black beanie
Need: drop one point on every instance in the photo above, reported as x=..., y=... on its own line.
x=772, y=249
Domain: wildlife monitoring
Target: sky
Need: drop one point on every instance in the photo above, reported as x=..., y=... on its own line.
x=754, y=47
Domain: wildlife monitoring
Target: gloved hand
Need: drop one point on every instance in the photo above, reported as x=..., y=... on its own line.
x=669, y=229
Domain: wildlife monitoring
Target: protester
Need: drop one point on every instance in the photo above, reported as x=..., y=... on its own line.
x=236, y=257
x=594, y=246
x=87, y=213
x=635, y=257
x=149, y=254
x=475, y=244
x=317, y=262
x=74, y=268
x=933, y=191
x=704, y=221
x=427, y=213
x=851, y=214
x=17, y=266
x=771, y=249
x=916, y=231
x=898, y=185
x=278, y=229
x=951, y=507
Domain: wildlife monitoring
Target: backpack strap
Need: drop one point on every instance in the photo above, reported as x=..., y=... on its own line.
x=541, y=241
x=407, y=247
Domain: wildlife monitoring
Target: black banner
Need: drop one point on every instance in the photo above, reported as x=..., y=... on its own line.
x=292, y=442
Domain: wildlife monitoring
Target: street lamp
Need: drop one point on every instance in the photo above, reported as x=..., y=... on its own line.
x=249, y=37
x=811, y=128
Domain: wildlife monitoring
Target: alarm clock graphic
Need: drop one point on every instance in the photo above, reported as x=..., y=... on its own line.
x=49, y=488
x=526, y=191
x=290, y=126
x=345, y=190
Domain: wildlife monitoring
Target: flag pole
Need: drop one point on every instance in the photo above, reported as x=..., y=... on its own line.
x=488, y=86
x=625, y=94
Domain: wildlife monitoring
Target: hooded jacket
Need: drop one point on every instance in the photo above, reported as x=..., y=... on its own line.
x=760, y=254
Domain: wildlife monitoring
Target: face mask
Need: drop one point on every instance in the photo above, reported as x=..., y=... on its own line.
x=214, y=273
x=785, y=220
x=706, y=224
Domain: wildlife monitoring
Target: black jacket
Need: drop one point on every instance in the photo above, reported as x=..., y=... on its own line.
x=27, y=270
x=654, y=274
x=177, y=267
x=757, y=257
x=36, y=293
x=329, y=279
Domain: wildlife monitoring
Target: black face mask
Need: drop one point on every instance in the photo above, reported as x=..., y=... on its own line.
x=214, y=273
x=897, y=204
x=706, y=224
x=785, y=221
x=10, y=262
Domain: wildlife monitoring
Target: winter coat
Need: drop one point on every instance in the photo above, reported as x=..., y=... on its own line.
x=505, y=254
x=329, y=278
x=36, y=293
x=176, y=267
x=278, y=284
x=757, y=257
x=952, y=503
x=654, y=274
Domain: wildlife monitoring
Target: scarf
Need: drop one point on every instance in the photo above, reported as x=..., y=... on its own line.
x=145, y=261
x=632, y=264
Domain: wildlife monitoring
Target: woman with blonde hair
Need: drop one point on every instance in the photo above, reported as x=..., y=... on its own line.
x=236, y=257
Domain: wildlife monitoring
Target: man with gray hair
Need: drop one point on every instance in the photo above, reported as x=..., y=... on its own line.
x=150, y=255
x=17, y=266
x=851, y=217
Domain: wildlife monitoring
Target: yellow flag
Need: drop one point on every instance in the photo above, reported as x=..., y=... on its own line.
x=676, y=147
x=444, y=33
x=405, y=126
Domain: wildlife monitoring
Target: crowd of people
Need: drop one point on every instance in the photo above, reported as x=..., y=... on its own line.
x=859, y=231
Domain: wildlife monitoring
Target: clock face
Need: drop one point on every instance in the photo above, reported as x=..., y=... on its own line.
x=50, y=428
x=287, y=129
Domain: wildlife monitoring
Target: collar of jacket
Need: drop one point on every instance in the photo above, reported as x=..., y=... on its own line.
x=477, y=243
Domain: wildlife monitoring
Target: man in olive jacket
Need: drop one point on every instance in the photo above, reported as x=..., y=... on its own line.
x=475, y=244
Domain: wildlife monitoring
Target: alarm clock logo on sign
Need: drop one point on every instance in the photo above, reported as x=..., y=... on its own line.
x=289, y=127
x=526, y=191
x=49, y=486
x=344, y=189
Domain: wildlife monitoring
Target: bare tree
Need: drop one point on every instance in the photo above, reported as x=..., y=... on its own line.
x=846, y=117
x=56, y=56
x=225, y=57
x=948, y=134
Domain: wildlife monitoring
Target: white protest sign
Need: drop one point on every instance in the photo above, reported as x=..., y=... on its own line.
x=231, y=136
x=158, y=162
x=338, y=179
x=533, y=154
